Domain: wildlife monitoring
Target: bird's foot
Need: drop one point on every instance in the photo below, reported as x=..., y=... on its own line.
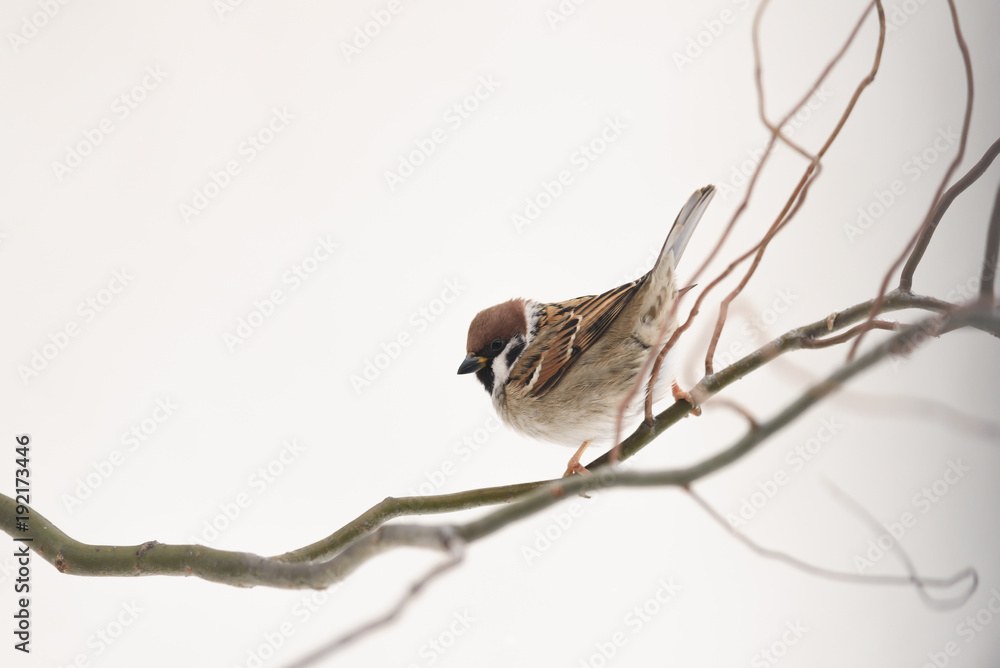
x=682, y=395
x=574, y=465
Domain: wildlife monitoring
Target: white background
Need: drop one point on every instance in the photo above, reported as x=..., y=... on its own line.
x=162, y=336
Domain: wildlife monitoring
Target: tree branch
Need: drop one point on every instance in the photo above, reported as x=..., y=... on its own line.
x=903, y=342
x=926, y=229
x=921, y=583
x=960, y=186
x=801, y=190
x=988, y=276
x=239, y=569
x=313, y=567
x=369, y=627
x=775, y=135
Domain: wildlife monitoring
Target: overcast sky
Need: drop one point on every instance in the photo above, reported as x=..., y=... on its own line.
x=242, y=243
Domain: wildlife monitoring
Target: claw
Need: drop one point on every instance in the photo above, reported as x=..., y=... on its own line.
x=574, y=465
x=681, y=395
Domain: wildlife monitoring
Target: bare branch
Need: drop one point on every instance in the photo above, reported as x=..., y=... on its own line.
x=775, y=134
x=723, y=402
x=988, y=277
x=389, y=617
x=802, y=188
x=850, y=334
x=791, y=340
x=245, y=570
x=884, y=405
x=960, y=186
x=758, y=77
x=921, y=583
x=392, y=507
x=926, y=228
x=239, y=569
x=552, y=492
x=798, y=196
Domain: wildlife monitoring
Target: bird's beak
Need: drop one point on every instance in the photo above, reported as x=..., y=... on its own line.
x=472, y=364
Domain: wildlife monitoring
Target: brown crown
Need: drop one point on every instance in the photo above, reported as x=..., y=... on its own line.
x=501, y=321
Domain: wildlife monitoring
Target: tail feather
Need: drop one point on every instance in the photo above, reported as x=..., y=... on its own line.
x=684, y=226
x=660, y=283
x=661, y=286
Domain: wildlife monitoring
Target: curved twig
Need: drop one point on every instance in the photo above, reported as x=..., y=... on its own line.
x=927, y=227
x=921, y=583
x=351, y=637
x=988, y=276
x=960, y=186
x=798, y=196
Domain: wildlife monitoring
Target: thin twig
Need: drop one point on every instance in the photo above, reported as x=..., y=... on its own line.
x=919, y=582
x=798, y=195
x=787, y=342
x=741, y=207
x=850, y=334
x=960, y=186
x=988, y=277
x=884, y=405
x=737, y=408
x=803, y=184
x=926, y=228
x=371, y=626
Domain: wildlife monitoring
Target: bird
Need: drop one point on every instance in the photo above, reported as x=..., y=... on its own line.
x=559, y=371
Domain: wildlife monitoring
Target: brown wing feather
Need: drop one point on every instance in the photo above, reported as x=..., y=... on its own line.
x=566, y=330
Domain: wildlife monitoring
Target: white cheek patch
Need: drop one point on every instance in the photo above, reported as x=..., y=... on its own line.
x=501, y=370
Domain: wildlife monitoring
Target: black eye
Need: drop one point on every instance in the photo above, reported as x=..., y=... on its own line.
x=497, y=345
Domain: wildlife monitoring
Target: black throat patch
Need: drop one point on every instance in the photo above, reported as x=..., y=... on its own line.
x=487, y=378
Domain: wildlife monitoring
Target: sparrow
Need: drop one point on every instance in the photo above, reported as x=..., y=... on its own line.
x=560, y=371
